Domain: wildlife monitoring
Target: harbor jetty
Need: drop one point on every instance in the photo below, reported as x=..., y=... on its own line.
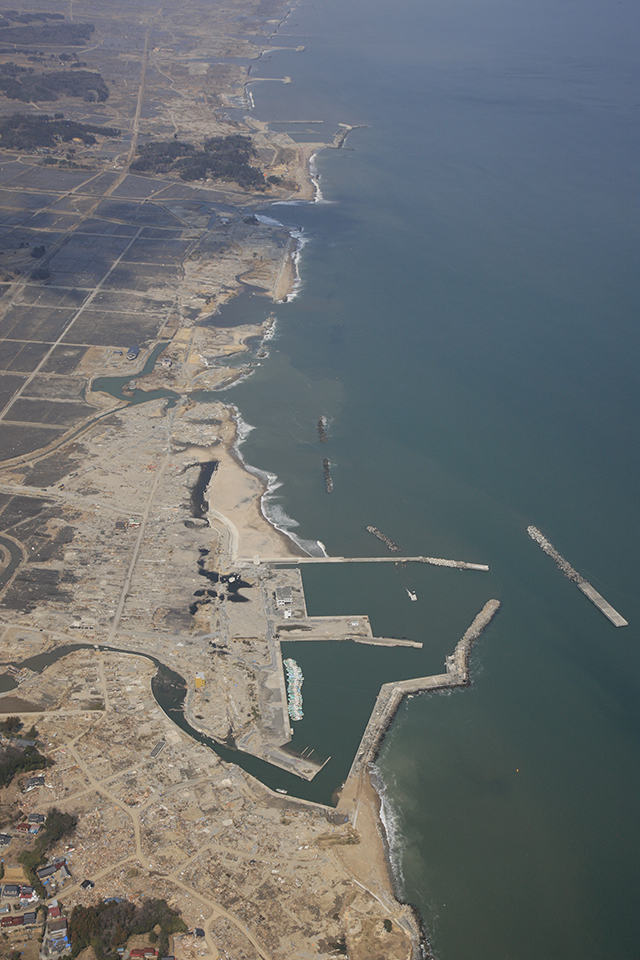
x=327, y=475
x=434, y=561
x=339, y=629
x=458, y=663
x=392, y=694
x=386, y=540
x=590, y=592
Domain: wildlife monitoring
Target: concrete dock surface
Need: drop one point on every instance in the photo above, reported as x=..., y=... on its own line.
x=616, y=619
x=590, y=592
x=434, y=561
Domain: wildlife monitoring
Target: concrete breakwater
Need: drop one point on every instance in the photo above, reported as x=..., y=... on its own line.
x=327, y=475
x=388, y=542
x=548, y=548
x=458, y=663
x=590, y=592
x=322, y=431
x=392, y=694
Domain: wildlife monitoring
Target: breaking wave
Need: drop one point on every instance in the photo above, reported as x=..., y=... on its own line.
x=315, y=178
x=302, y=241
x=271, y=508
x=396, y=842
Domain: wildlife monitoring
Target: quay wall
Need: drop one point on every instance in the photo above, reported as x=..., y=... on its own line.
x=434, y=561
x=391, y=695
x=351, y=638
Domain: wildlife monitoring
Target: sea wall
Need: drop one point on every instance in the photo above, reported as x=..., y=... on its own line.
x=392, y=694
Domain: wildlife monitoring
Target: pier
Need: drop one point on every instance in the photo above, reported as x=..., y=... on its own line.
x=603, y=606
x=590, y=592
x=392, y=694
x=350, y=628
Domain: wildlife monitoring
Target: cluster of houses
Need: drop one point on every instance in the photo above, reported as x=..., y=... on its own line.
x=26, y=897
x=56, y=934
x=32, y=825
x=54, y=875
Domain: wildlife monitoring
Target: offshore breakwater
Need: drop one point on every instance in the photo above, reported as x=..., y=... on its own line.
x=392, y=694
x=589, y=591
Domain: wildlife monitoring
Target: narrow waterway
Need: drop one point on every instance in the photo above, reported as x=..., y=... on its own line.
x=169, y=690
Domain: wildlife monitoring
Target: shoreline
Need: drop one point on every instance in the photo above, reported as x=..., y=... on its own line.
x=150, y=599
x=424, y=944
x=234, y=496
x=268, y=481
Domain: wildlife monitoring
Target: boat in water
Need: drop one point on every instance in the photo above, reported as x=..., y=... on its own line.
x=412, y=595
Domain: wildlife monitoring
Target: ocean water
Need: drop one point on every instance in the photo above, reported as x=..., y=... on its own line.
x=467, y=322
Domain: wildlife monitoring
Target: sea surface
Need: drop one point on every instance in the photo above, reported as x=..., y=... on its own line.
x=467, y=321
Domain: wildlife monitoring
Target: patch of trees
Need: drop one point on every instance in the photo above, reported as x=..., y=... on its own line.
x=23, y=83
x=107, y=926
x=25, y=132
x=40, y=273
x=11, y=725
x=15, y=760
x=56, y=826
x=221, y=158
x=41, y=31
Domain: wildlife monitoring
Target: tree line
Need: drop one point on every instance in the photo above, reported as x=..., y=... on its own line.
x=220, y=158
x=23, y=83
x=25, y=132
x=65, y=34
x=15, y=760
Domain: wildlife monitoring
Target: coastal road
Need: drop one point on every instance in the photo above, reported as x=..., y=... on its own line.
x=234, y=536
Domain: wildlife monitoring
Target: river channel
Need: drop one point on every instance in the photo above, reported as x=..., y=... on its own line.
x=169, y=690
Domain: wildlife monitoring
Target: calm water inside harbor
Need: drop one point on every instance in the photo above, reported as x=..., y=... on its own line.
x=467, y=321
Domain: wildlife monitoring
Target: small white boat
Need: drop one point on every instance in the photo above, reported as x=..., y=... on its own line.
x=412, y=595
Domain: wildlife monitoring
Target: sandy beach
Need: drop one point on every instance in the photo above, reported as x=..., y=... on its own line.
x=234, y=496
